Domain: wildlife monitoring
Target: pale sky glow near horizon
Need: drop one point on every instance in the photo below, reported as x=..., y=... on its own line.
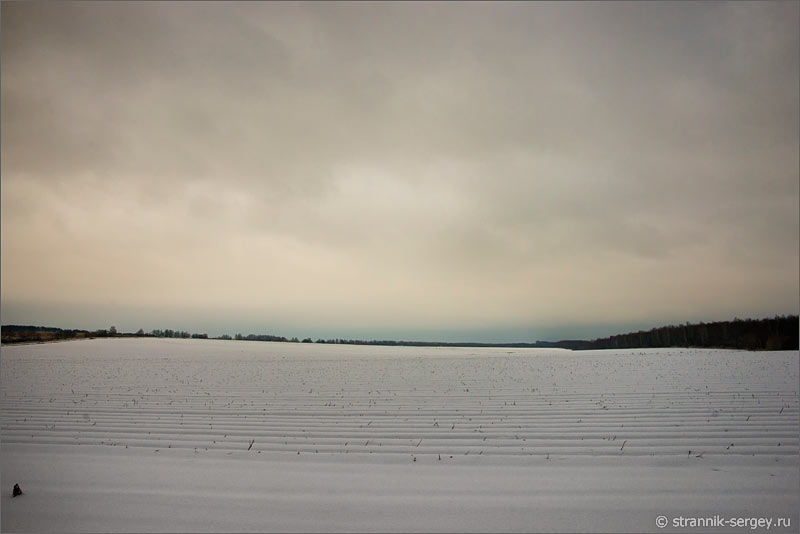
x=434, y=171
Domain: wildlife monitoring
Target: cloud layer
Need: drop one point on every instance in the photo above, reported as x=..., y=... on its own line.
x=392, y=167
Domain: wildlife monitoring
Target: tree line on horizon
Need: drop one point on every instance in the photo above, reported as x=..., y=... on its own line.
x=26, y=333
x=776, y=333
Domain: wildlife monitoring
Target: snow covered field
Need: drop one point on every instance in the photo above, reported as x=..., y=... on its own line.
x=202, y=435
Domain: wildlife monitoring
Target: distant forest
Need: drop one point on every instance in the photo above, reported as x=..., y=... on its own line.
x=776, y=333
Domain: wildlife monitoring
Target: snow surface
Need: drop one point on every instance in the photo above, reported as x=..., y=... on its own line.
x=143, y=435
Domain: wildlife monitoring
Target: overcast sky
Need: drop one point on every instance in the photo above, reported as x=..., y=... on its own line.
x=503, y=171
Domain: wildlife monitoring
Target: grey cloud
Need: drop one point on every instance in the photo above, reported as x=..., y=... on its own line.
x=402, y=150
